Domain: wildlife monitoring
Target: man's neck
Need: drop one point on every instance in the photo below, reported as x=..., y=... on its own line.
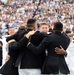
x=30, y=28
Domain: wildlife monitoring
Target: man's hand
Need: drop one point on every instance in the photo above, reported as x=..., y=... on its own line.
x=11, y=41
x=60, y=51
x=7, y=58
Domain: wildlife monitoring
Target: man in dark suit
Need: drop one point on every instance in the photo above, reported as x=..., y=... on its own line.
x=1, y=44
x=30, y=63
x=55, y=62
x=8, y=68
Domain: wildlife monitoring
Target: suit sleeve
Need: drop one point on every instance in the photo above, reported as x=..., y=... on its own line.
x=18, y=45
x=11, y=37
x=42, y=46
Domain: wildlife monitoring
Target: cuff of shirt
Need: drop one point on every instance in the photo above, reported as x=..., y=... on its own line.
x=28, y=44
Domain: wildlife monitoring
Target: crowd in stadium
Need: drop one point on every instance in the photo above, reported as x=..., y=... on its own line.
x=19, y=11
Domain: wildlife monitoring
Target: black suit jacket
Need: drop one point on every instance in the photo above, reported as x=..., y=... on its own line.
x=28, y=58
x=54, y=62
x=0, y=55
x=8, y=68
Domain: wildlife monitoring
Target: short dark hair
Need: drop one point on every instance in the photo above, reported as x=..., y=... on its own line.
x=30, y=22
x=22, y=28
x=58, y=26
x=1, y=43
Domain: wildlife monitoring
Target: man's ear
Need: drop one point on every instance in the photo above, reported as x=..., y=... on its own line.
x=34, y=27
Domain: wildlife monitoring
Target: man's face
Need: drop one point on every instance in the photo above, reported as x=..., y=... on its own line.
x=44, y=28
x=11, y=31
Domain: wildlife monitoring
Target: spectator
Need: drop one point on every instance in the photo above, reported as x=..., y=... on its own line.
x=44, y=27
